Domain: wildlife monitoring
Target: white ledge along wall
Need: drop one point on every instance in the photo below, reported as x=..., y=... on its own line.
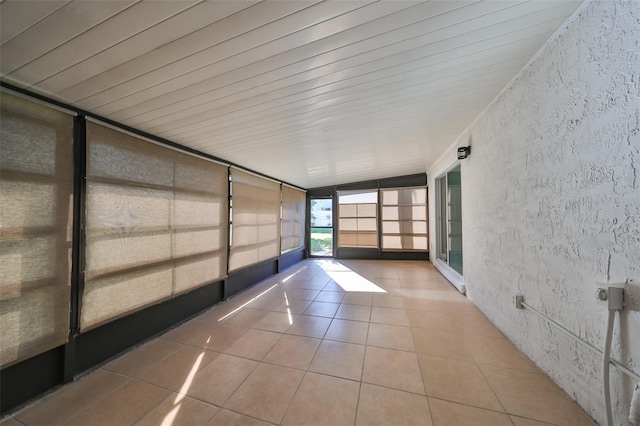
x=551, y=200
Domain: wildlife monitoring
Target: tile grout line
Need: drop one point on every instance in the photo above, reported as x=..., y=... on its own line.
x=306, y=371
x=304, y=375
x=489, y=384
x=424, y=384
x=153, y=408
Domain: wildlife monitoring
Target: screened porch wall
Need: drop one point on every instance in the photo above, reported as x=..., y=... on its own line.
x=110, y=236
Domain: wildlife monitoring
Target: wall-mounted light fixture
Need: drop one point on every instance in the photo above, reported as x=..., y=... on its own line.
x=463, y=152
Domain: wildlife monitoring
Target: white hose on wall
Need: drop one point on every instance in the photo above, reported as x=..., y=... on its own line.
x=605, y=367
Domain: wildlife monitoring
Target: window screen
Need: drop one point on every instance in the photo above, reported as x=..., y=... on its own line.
x=36, y=190
x=294, y=203
x=358, y=218
x=404, y=219
x=255, y=218
x=156, y=224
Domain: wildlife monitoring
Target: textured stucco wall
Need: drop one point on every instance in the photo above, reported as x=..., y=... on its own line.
x=551, y=199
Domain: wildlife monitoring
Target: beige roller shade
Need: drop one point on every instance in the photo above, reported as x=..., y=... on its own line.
x=255, y=219
x=294, y=203
x=156, y=224
x=358, y=218
x=36, y=195
x=404, y=219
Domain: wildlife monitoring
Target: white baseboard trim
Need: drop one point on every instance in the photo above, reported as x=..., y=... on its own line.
x=451, y=275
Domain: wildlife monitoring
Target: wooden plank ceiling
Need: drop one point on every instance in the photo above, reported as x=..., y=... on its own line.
x=312, y=92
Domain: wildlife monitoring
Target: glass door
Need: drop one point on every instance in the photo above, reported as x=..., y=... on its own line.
x=449, y=219
x=321, y=235
x=454, y=219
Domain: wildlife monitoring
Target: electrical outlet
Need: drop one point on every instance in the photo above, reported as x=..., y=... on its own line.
x=615, y=298
x=518, y=299
x=612, y=296
x=632, y=295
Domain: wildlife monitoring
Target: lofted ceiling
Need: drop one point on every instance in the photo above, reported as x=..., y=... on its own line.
x=313, y=93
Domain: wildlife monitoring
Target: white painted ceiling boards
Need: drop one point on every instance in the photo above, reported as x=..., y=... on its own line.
x=310, y=92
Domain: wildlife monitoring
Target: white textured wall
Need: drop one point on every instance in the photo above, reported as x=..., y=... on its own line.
x=551, y=198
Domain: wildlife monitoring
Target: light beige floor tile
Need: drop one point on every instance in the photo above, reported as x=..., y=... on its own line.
x=409, y=283
x=339, y=359
x=267, y=302
x=219, y=338
x=435, y=295
x=415, y=274
x=387, y=284
x=458, y=381
x=179, y=409
x=460, y=355
x=333, y=286
x=217, y=381
x=380, y=271
x=246, y=317
x=440, y=283
x=189, y=332
x=127, y=405
x=301, y=293
x=437, y=301
x=240, y=299
x=173, y=371
x=447, y=413
x=384, y=406
x=246, y=297
x=141, y=359
x=426, y=305
x=393, y=369
x=388, y=301
x=75, y=397
x=254, y=344
x=322, y=309
x=294, y=306
x=323, y=399
x=390, y=336
x=266, y=393
x=521, y=421
x=354, y=312
x=433, y=321
x=307, y=284
x=310, y=326
x=229, y=418
x=348, y=331
x=440, y=343
x=278, y=322
x=363, y=299
x=217, y=313
x=475, y=323
x=534, y=396
x=254, y=292
x=390, y=316
x=395, y=292
x=293, y=351
x=329, y=296
x=498, y=353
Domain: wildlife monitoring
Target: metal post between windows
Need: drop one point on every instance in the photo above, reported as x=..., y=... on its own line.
x=78, y=242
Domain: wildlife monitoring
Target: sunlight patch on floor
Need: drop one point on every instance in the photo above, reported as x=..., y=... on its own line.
x=349, y=280
x=286, y=299
x=171, y=415
x=245, y=304
x=187, y=383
